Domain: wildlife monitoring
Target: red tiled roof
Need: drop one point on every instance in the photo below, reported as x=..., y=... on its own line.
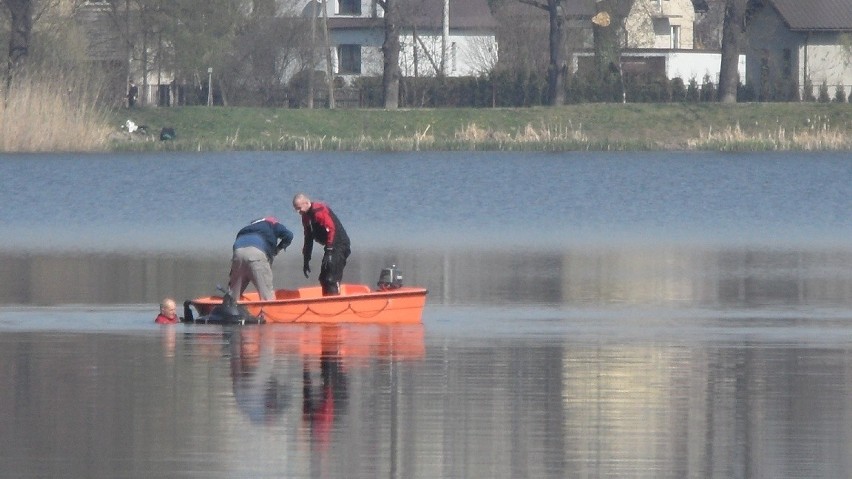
x=815, y=14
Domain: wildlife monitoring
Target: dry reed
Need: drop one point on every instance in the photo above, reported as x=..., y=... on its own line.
x=529, y=134
x=817, y=135
x=42, y=116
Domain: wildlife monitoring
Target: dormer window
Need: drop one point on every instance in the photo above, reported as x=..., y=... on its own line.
x=675, y=33
x=349, y=7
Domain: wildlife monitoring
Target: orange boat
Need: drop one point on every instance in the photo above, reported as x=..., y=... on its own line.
x=356, y=303
x=392, y=303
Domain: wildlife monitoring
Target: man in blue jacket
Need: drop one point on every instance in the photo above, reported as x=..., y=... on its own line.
x=254, y=249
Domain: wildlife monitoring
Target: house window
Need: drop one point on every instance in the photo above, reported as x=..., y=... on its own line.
x=349, y=59
x=675, y=32
x=349, y=7
x=787, y=65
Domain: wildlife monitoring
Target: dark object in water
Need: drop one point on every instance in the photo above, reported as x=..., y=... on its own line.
x=167, y=133
x=229, y=312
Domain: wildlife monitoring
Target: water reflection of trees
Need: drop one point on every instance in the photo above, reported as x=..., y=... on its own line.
x=687, y=275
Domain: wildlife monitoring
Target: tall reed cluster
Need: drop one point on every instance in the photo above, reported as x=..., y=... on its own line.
x=45, y=114
x=817, y=135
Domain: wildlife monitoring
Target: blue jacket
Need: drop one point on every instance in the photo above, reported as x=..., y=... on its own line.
x=264, y=234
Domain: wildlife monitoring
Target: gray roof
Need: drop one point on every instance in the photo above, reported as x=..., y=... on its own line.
x=812, y=15
x=587, y=8
x=464, y=14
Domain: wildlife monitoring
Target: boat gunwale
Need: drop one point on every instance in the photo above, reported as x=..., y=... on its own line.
x=404, y=291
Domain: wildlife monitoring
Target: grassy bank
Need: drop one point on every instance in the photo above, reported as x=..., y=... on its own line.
x=757, y=126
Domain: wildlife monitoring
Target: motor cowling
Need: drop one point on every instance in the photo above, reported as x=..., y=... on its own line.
x=390, y=278
x=229, y=312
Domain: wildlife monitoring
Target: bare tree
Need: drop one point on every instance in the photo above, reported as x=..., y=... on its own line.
x=262, y=55
x=481, y=55
x=20, y=13
x=523, y=37
x=733, y=28
x=55, y=43
x=608, y=28
x=390, y=54
x=557, y=66
x=708, y=26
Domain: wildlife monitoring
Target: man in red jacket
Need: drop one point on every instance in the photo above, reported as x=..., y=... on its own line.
x=168, y=312
x=323, y=226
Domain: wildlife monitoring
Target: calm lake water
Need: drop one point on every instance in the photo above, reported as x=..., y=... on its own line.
x=644, y=315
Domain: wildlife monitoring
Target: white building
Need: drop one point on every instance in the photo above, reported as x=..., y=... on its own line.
x=793, y=42
x=459, y=41
x=659, y=39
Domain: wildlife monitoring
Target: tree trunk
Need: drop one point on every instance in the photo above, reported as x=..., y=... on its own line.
x=390, y=54
x=144, y=97
x=556, y=68
x=732, y=30
x=605, y=28
x=20, y=24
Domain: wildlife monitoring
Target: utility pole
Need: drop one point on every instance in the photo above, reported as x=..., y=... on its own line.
x=210, y=86
x=313, y=66
x=445, y=36
x=328, y=61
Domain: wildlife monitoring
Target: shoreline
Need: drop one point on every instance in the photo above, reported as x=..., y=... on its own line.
x=583, y=127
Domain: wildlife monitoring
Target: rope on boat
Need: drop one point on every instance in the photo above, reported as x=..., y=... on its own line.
x=365, y=315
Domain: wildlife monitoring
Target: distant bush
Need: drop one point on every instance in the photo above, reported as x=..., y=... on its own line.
x=745, y=93
x=840, y=94
x=708, y=89
x=678, y=90
x=823, y=92
x=299, y=86
x=808, y=90
x=526, y=89
x=693, y=94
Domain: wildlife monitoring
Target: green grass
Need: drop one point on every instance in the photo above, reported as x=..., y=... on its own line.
x=754, y=126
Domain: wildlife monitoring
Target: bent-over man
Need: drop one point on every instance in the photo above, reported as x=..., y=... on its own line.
x=254, y=249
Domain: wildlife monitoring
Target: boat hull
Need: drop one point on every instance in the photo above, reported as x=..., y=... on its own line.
x=355, y=304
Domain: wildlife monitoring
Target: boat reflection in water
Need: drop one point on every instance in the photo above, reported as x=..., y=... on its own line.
x=271, y=364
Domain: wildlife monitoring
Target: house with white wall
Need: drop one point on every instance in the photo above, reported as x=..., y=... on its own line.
x=791, y=43
x=660, y=24
x=459, y=41
x=658, y=38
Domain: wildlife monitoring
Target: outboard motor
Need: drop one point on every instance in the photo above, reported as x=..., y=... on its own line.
x=390, y=278
x=229, y=312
